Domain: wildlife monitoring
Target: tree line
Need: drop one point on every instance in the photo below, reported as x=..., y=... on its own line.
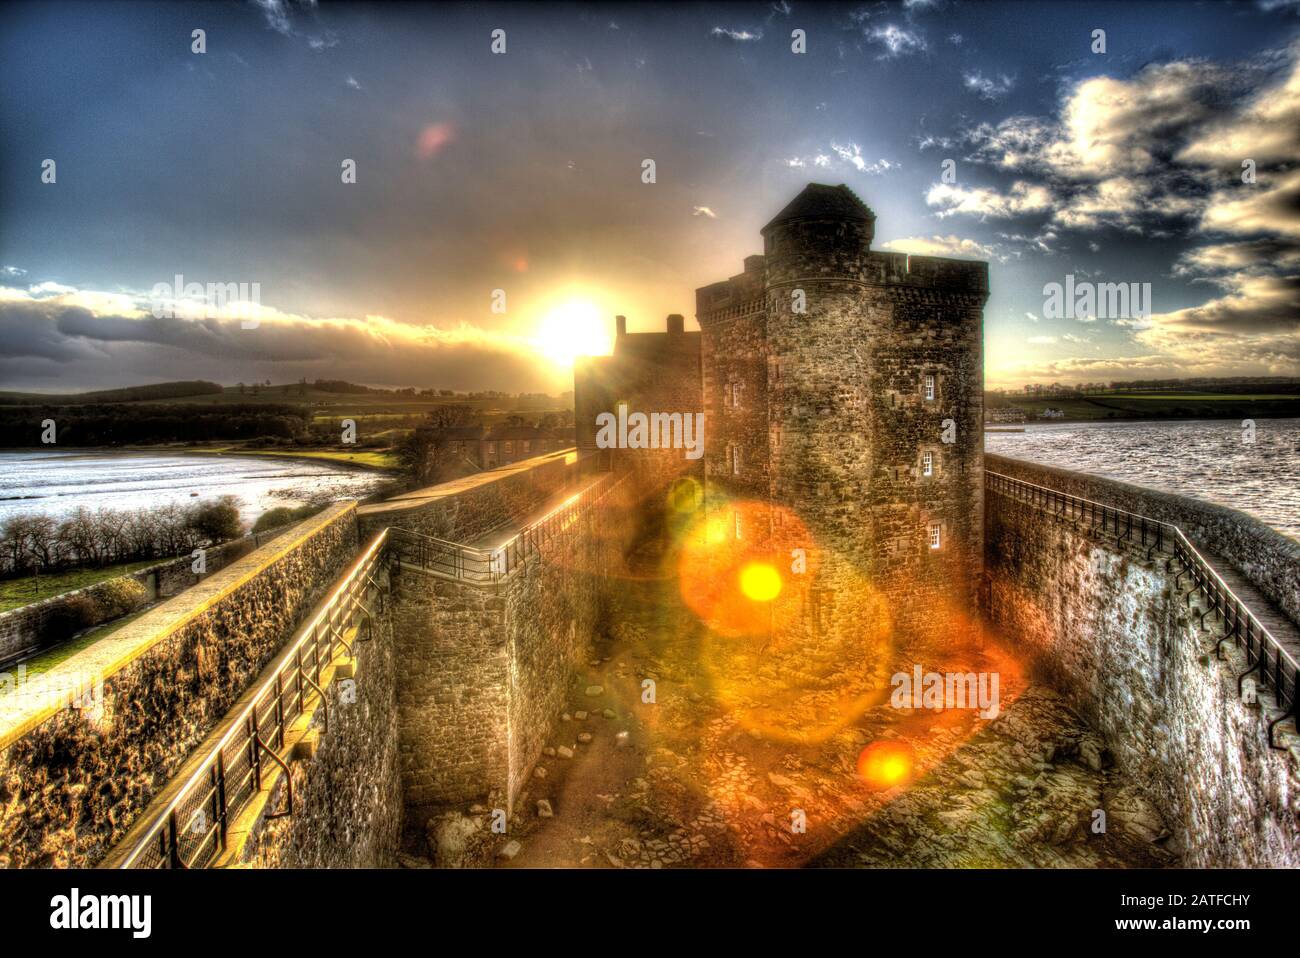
x=38, y=543
x=111, y=425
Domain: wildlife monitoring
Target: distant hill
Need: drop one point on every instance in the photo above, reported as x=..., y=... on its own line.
x=177, y=390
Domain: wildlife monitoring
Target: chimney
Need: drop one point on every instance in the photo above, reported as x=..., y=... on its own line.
x=620, y=325
x=676, y=323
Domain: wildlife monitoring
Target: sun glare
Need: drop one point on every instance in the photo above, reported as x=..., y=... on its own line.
x=576, y=327
x=760, y=582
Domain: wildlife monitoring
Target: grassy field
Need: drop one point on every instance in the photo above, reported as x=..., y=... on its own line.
x=331, y=405
x=365, y=459
x=19, y=592
x=1155, y=406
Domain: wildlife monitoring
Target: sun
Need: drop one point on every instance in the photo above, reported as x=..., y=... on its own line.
x=575, y=327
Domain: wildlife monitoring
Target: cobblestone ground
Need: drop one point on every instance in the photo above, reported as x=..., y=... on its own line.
x=694, y=780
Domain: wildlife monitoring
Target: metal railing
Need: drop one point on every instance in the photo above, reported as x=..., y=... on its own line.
x=1275, y=666
x=191, y=830
x=489, y=566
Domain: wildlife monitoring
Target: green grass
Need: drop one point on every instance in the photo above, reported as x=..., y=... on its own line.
x=1155, y=405
x=15, y=593
x=378, y=459
x=1197, y=397
x=47, y=660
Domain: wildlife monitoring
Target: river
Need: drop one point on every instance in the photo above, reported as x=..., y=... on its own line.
x=1205, y=459
x=57, y=482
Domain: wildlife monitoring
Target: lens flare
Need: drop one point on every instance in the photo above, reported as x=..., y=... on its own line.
x=685, y=495
x=760, y=582
x=886, y=764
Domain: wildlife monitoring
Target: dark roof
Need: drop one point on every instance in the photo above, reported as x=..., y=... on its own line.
x=819, y=201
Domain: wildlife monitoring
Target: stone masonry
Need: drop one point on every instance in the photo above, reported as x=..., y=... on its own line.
x=844, y=392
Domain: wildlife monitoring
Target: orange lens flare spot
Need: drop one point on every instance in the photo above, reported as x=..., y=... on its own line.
x=886, y=764
x=760, y=582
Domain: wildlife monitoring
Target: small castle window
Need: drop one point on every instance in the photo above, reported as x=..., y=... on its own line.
x=927, y=464
x=736, y=390
x=929, y=388
x=936, y=535
x=726, y=395
x=735, y=460
x=739, y=529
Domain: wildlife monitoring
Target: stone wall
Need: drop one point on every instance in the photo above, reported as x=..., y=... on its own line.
x=467, y=509
x=72, y=781
x=556, y=604
x=23, y=630
x=452, y=693
x=1263, y=555
x=485, y=669
x=832, y=344
x=347, y=810
x=1112, y=632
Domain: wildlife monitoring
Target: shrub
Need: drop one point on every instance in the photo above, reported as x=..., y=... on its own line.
x=118, y=597
x=216, y=521
x=283, y=515
x=68, y=618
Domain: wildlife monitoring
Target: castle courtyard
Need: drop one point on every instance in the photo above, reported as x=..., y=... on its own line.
x=690, y=781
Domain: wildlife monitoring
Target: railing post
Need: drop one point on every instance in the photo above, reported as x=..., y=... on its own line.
x=222, y=823
x=174, y=839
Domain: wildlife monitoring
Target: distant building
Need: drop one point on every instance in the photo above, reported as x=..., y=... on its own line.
x=1052, y=413
x=1006, y=414
x=648, y=373
x=468, y=448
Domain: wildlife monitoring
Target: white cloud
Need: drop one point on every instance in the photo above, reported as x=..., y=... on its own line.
x=989, y=88
x=848, y=156
x=703, y=211
x=944, y=246
x=897, y=41
x=83, y=331
x=852, y=155
x=738, y=36
x=1265, y=207
x=980, y=201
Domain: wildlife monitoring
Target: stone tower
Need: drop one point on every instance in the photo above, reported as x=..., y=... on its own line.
x=843, y=391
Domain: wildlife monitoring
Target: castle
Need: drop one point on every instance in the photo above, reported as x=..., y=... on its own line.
x=842, y=390
x=420, y=674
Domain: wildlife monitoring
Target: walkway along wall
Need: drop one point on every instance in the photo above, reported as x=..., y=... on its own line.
x=72, y=780
x=1112, y=631
x=465, y=509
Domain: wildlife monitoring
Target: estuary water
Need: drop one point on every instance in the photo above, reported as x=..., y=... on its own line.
x=1204, y=459
x=57, y=482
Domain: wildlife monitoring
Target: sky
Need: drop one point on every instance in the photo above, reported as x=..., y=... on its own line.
x=499, y=218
